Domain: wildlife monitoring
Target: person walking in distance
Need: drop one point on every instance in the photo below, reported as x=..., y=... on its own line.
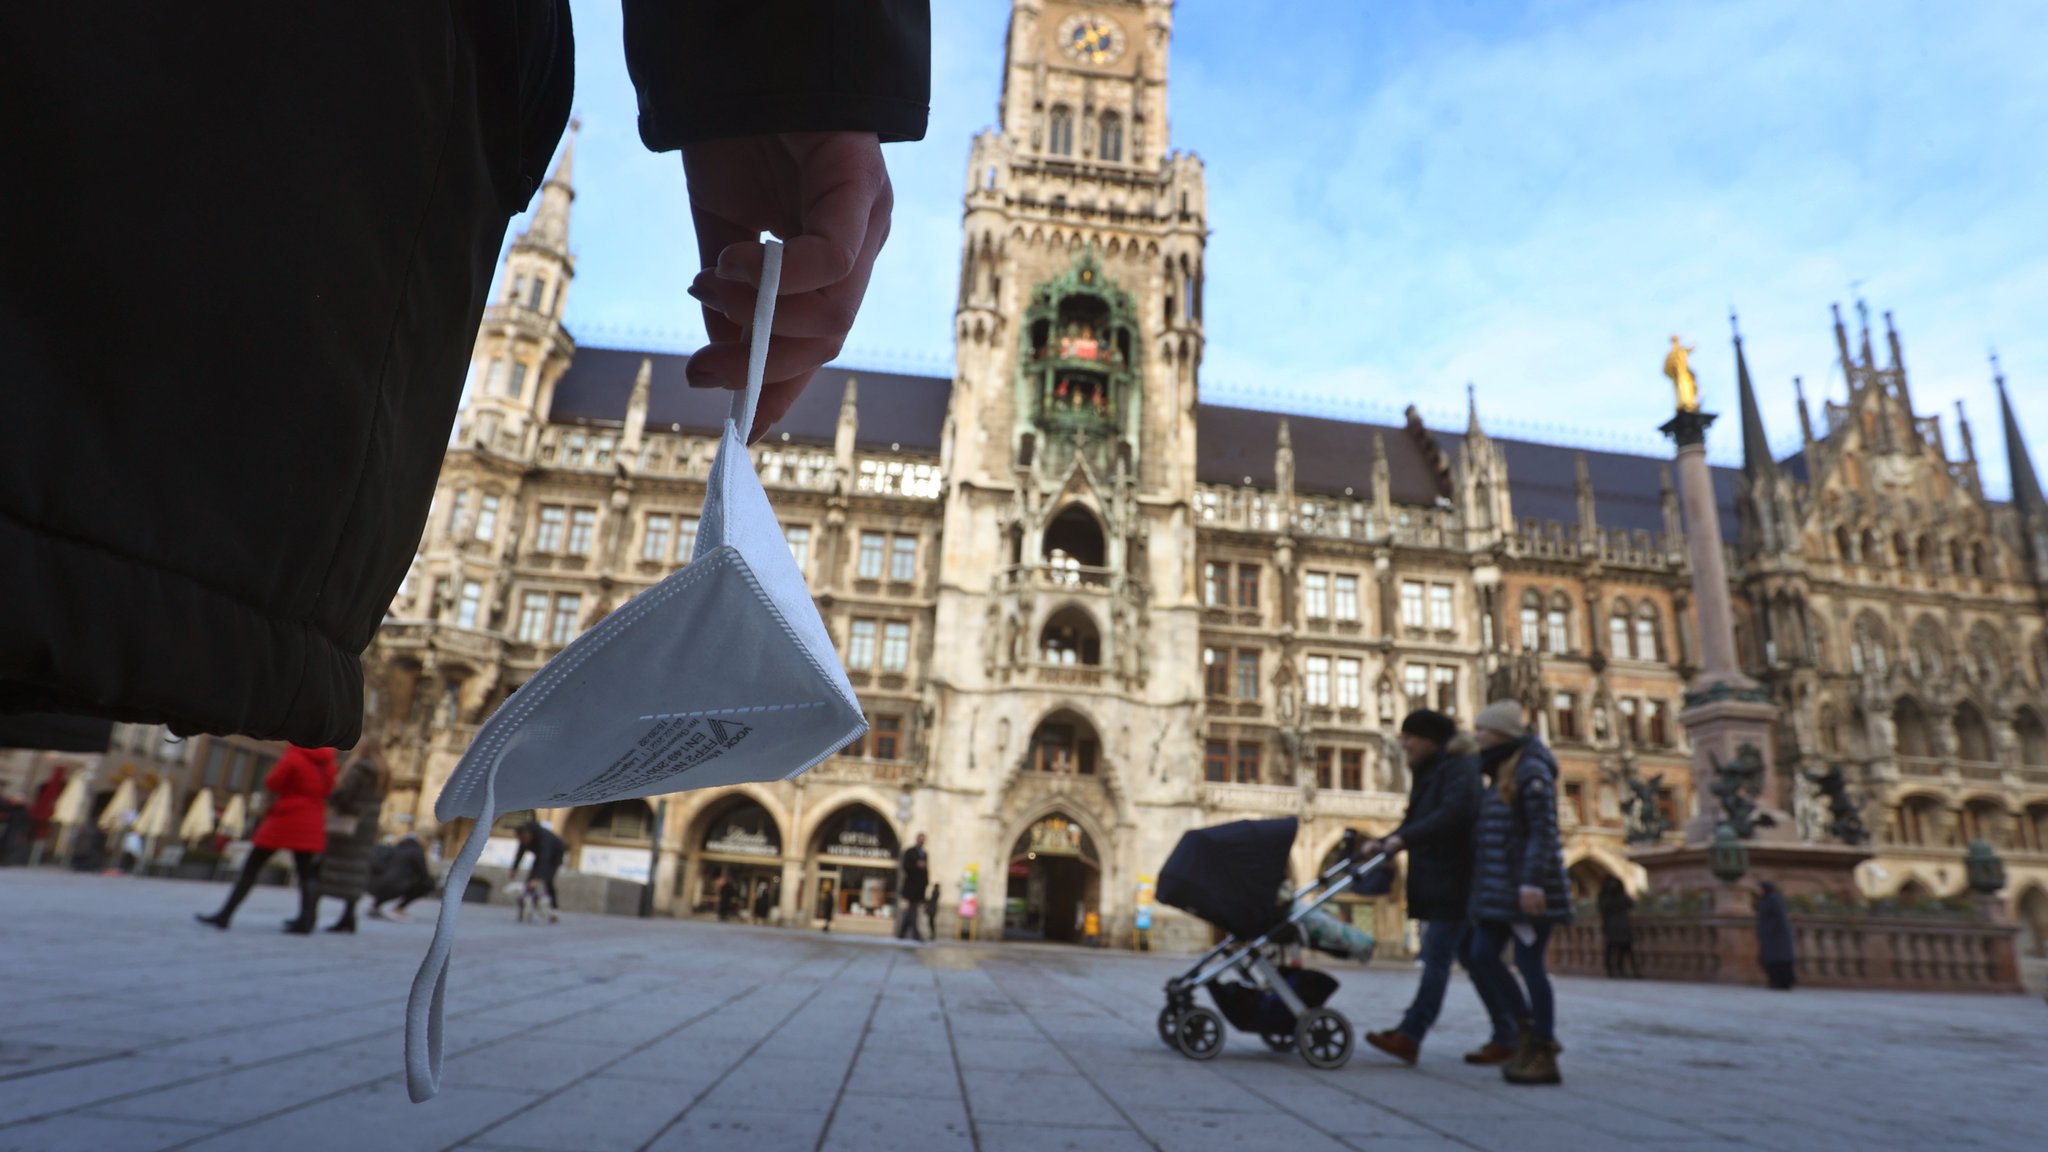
x=402, y=875
x=917, y=878
x=1436, y=833
x=295, y=823
x=764, y=901
x=931, y=913
x=548, y=851
x=354, y=809
x=1518, y=883
x=1617, y=931
x=1774, y=938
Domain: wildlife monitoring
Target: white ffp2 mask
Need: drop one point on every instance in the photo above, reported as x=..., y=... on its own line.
x=723, y=673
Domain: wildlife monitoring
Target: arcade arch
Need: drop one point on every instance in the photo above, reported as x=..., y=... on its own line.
x=737, y=839
x=1054, y=879
x=851, y=863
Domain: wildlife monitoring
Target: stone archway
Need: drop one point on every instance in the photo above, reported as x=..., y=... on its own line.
x=850, y=863
x=737, y=840
x=1053, y=881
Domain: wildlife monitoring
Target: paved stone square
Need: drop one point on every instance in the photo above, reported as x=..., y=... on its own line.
x=129, y=1028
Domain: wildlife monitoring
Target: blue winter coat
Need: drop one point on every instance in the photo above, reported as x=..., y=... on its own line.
x=1517, y=844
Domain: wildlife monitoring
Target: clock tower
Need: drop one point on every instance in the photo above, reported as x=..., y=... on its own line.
x=1067, y=683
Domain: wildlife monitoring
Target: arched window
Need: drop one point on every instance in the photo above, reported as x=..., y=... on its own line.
x=1980, y=560
x=1076, y=536
x=2033, y=740
x=1830, y=730
x=1910, y=723
x=1923, y=554
x=1985, y=819
x=1618, y=631
x=1921, y=822
x=1929, y=654
x=1069, y=638
x=1059, y=136
x=1973, y=735
x=1558, y=625
x=1110, y=146
x=1955, y=557
x=1649, y=632
x=1873, y=555
x=1987, y=655
x=1902, y=553
x=1063, y=744
x=1845, y=548
x=1532, y=621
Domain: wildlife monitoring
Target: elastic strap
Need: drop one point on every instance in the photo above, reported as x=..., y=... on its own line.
x=744, y=402
x=423, y=1006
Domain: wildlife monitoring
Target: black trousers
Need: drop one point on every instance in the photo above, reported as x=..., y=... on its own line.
x=306, y=865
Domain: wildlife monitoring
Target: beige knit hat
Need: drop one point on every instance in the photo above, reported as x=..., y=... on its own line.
x=1504, y=717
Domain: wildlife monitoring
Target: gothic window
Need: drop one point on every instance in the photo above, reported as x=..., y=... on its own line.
x=1654, y=725
x=2033, y=739
x=1631, y=719
x=1649, y=632
x=1980, y=564
x=1111, y=145
x=1532, y=621
x=1871, y=553
x=1987, y=655
x=1869, y=652
x=1558, y=638
x=533, y=291
x=568, y=606
x=1973, y=735
x=1929, y=654
x=1910, y=722
x=1323, y=757
x=1070, y=638
x=1902, y=555
x=1844, y=549
x=799, y=538
x=1618, y=631
x=1060, y=132
x=1923, y=554
x=457, y=509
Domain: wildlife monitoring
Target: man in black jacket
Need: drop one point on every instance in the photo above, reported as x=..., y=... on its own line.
x=1436, y=832
x=910, y=889
x=256, y=242
x=400, y=874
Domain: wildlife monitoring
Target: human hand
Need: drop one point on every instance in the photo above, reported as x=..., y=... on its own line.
x=1532, y=901
x=827, y=195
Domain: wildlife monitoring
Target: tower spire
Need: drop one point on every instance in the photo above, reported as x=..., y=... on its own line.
x=549, y=228
x=1757, y=463
x=2026, y=486
x=1842, y=349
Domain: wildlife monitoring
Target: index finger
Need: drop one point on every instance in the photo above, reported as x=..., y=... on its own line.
x=841, y=178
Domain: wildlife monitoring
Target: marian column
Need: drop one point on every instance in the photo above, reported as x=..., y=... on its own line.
x=1728, y=716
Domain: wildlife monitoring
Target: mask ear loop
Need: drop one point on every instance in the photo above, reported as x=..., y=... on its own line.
x=423, y=1005
x=744, y=402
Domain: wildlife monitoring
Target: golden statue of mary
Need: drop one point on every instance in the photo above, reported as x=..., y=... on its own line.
x=1678, y=367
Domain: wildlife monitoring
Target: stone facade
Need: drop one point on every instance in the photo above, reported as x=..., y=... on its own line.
x=1087, y=612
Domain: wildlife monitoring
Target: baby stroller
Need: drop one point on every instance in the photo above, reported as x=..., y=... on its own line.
x=1232, y=876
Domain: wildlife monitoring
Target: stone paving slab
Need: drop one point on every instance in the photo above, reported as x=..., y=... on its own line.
x=131, y=1029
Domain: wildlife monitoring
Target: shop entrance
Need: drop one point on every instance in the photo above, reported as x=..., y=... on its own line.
x=739, y=855
x=1055, y=882
x=854, y=862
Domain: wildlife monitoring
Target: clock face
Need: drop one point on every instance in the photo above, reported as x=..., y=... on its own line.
x=1091, y=38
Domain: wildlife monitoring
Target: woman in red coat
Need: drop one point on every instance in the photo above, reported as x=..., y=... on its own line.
x=296, y=823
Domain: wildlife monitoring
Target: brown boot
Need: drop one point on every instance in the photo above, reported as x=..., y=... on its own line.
x=1538, y=1067
x=1489, y=1054
x=1399, y=1045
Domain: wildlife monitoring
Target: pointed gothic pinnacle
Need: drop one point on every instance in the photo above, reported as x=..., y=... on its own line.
x=1283, y=439
x=565, y=167
x=1757, y=462
x=2026, y=485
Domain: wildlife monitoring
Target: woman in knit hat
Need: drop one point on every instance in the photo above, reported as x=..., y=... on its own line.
x=1518, y=883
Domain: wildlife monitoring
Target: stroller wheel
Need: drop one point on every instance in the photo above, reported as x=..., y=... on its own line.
x=1199, y=1035
x=1324, y=1037
x=1169, y=1025
x=1278, y=1041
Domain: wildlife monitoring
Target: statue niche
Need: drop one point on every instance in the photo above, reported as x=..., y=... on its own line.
x=1078, y=375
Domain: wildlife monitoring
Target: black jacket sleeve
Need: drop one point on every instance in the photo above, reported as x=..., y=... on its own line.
x=1456, y=808
x=707, y=69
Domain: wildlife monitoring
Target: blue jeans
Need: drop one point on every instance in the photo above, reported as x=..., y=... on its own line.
x=1491, y=972
x=1442, y=942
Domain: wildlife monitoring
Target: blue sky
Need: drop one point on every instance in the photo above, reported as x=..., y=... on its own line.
x=1406, y=196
